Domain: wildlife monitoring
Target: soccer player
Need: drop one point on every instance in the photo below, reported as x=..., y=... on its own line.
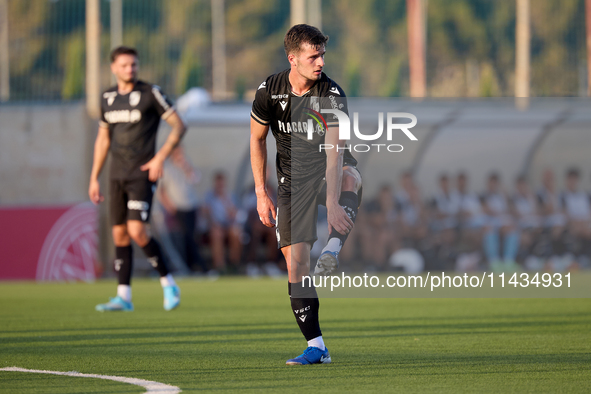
x=130, y=116
x=307, y=176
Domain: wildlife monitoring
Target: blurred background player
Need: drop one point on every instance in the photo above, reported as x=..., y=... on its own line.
x=578, y=214
x=412, y=212
x=525, y=210
x=221, y=214
x=130, y=116
x=471, y=224
x=445, y=211
x=380, y=234
x=499, y=225
x=178, y=196
x=307, y=177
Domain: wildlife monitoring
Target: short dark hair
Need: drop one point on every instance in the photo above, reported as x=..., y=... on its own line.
x=122, y=50
x=303, y=34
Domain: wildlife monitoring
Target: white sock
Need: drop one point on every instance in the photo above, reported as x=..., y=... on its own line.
x=317, y=342
x=333, y=245
x=167, y=281
x=124, y=291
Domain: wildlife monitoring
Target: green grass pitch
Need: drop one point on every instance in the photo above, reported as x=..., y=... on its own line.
x=236, y=333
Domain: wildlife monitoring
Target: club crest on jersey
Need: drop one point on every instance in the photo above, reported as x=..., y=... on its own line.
x=134, y=98
x=283, y=104
x=110, y=96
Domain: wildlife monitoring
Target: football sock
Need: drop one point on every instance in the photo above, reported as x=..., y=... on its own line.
x=123, y=263
x=317, y=342
x=124, y=291
x=350, y=203
x=304, y=305
x=152, y=251
x=167, y=280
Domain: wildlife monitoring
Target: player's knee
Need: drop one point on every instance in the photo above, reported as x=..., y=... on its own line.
x=351, y=180
x=120, y=235
x=138, y=234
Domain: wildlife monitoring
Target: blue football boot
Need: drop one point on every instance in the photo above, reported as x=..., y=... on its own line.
x=172, y=297
x=312, y=355
x=115, y=304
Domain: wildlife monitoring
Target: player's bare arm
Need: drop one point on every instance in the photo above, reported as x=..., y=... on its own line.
x=101, y=149
x=258, y=161
x=337, y=217
x=155, y=165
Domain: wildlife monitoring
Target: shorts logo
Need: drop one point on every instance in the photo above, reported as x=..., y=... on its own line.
x=118, y=263
x=138, y=205
x=134, y=98
x=303, y=318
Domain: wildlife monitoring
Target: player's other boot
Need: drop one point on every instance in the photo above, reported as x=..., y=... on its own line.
x=172, y=297
x=312, y=355
x=115, y=304
x=327, y=263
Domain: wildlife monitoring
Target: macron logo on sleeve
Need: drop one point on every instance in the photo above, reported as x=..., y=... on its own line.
x=262, y=86
x=335, y=90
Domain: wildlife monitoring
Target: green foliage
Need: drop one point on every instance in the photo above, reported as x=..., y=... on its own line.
x=74, y=78
x=366, y=54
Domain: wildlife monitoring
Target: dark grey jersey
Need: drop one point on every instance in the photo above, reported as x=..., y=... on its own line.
x=275, y=105
x=133, y=120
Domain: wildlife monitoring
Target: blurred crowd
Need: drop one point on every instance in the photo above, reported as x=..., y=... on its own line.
x=500, y=229
x=218, y=234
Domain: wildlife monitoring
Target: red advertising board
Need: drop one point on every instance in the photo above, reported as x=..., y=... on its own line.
x=49, y=244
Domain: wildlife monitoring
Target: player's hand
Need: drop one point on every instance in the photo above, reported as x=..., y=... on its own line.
x=154, y=168
x=94, y=192
x=339, y=220
x=266, y=210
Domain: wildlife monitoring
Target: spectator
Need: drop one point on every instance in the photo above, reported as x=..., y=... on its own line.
x=499, y=224
x=178, y=196
x=412, y=212
x=261, y=237
x=578, y=213
x=221, y=213
x=527, y=215
x=379, y=237
x=471, y=216
x=445, y=208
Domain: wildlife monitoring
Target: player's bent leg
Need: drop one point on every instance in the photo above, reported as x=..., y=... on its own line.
x=328, y=262
x=304, y=304
x=139, y=233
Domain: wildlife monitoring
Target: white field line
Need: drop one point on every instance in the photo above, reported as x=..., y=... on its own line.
x=151, y=387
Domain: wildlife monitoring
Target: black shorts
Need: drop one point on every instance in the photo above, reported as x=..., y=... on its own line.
x=297, y=210
x=130, y=200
